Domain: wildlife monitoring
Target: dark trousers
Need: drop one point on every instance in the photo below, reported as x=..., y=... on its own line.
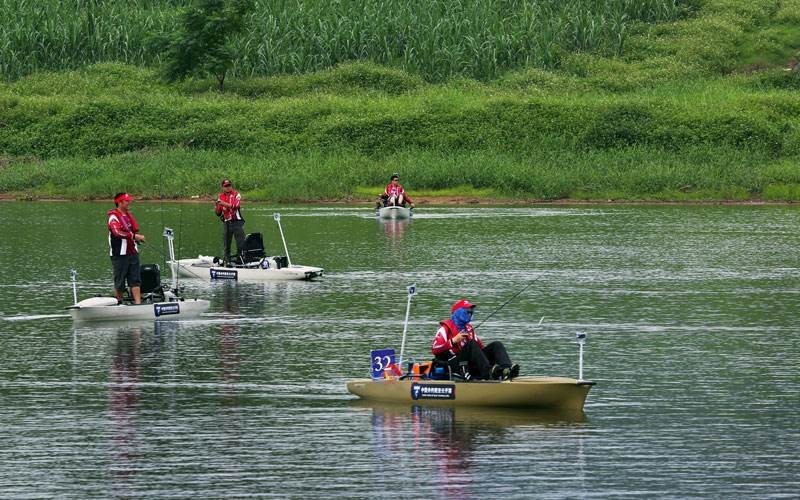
x=233, y=229
x=478, y=362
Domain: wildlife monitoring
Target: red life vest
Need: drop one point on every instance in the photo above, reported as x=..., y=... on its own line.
x=121, y=230
x=441, y=342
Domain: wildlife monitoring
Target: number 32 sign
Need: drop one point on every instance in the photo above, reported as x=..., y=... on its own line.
x=381, y=359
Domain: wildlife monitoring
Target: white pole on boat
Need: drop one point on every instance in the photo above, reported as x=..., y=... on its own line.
x=277, y=218
x=170, y=236
x=581, y=340
x=73, y=276
x=412, y=290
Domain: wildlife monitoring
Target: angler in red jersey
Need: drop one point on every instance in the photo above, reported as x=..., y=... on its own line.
x=123, y=236
x=228, y=207
x=457, y=344
x=394, y=195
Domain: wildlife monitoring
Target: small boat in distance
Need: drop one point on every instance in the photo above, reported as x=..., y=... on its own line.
x=254, y=266
x=158, y=302
x=394, y=212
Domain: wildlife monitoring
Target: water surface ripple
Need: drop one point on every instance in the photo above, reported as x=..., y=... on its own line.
x=690, y=312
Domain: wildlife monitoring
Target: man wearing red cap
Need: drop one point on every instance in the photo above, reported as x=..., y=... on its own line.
x=228, y=208
x=123, y=236
x=456, y=343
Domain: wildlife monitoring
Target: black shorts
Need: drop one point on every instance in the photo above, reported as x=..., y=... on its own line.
x=126, y=268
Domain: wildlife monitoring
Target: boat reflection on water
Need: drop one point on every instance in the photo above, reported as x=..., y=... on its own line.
x=474, y=415
x=134, y=350
x=394, y=229
x=452, y=438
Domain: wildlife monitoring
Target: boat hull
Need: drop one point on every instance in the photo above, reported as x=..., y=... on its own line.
x=201, y=269
x=161, y=311
x=546, y=393
x=394, y=213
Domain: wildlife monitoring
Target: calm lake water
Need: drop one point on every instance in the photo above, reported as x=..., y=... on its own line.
x=691, y=314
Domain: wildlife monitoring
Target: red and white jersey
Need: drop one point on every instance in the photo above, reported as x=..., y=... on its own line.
x=121, y=230
x=447, y=330
x=397, y=191
x=235, y=199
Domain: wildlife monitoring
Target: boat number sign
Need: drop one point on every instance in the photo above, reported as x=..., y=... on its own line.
x=432, y=391
x=224, y=274
x=164, y=309
x=381, y=360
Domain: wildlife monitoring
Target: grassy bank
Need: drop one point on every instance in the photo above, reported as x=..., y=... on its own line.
x=696, y=108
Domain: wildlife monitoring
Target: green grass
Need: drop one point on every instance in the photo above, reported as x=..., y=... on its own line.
x=696, y=106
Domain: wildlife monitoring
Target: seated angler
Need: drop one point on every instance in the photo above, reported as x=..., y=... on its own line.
x=457, y=344
x=394, y=195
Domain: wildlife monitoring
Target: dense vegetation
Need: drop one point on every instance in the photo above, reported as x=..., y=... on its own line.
x=433, y=38
x=617, y=99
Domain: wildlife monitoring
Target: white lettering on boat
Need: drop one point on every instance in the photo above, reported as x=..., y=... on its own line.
x=432, y=391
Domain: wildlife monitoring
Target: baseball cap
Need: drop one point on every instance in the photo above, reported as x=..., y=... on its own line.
x=461, y=304
x=123, y=197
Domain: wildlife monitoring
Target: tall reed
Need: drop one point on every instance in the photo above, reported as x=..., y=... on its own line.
x=434, y=38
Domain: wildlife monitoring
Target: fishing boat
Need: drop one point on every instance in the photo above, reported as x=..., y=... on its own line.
x=389, y=384
x=543, y=393
x=254, y=264
x=158, y=302
x=394, y=212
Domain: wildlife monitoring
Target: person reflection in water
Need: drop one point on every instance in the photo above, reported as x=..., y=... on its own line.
x=457, y=344
x=123, y=400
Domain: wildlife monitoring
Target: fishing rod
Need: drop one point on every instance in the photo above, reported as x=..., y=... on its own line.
x=171, y=260
x=509, y=300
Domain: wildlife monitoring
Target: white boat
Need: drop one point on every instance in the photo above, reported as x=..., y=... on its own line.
x=257, y=266
x=158, y=302
x=107, y=309
x=265, y=269
x=394, y=212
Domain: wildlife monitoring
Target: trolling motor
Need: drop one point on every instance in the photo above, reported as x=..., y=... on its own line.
x=580, y=339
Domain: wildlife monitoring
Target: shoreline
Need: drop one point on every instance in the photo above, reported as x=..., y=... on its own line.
x=431, y=201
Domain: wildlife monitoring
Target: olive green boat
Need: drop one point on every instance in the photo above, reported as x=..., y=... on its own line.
x=433, y=387
x=545, y=393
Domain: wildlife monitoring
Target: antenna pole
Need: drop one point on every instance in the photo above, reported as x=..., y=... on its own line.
x=412, y=290
x=73, y=276
x=277, y=218
x=581, y=340
x=170, y=236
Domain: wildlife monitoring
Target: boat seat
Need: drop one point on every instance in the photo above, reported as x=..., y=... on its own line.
x=151, y=288
x=253, y=248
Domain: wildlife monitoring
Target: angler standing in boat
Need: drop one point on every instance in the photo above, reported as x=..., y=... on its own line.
x=394, y=195
x=457, y=344
x=228, y=208
x=123, y=234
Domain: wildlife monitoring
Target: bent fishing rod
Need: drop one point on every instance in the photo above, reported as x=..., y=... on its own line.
x=509, y=300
